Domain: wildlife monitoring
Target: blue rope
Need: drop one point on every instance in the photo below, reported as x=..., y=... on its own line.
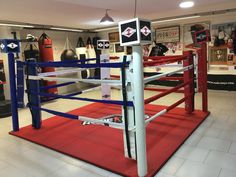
x=60, y=64
x=56, y=85
x=116, y=102
x=66, y=115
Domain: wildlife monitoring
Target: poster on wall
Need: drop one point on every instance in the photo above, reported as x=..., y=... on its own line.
x=114, y=37
x=218, y=56
x=224, y=34
x=119, y=48
x=174, y=48
x=168, y=34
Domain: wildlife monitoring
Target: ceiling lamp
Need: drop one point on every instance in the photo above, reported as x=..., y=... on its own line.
x=106, y=20
x=186, y=4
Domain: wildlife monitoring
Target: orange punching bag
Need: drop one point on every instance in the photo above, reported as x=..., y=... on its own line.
x=46, y=55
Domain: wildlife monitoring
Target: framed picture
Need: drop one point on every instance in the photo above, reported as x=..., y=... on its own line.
x=119, y=48
x=114, y=37
x=168, y=34
x=111, y=49
x=218, y=56
x=129, y=50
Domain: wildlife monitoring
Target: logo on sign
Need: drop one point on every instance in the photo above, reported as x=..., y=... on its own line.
x=128, y=32
x=12, y=45
x=100, y=44
x=145, y=31
x=2, y=46
x=201, y=36
x=106, y=45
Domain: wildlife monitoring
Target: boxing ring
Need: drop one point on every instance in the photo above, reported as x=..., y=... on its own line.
x=127, y=123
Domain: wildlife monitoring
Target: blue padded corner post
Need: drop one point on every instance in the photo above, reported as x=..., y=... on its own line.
x=34, y=100
x=14, y=108
x=20, y=84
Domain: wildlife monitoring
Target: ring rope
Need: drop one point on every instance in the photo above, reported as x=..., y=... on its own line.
x=94, y=81
x=116, y=102
x=62, y=72
x=155, y=77
x=155, y=97
x=81, y=118
x=60, y=64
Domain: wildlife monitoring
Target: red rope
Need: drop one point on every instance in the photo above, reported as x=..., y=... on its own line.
x=155, y=97
x=171, y=79
x=178, y=102
x=162, y=90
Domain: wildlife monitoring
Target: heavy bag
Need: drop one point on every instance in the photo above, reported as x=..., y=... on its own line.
x=81, y=52
x=81, y=49
x=2, y=74
x=46, y=55
x=31, y=51
x=68, y=53
x=2, y=81
x=90, y=50
x=2, y=96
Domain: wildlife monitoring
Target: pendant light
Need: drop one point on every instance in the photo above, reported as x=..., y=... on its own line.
x=106, y=20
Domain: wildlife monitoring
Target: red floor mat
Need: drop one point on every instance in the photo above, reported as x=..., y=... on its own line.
x=103, y=146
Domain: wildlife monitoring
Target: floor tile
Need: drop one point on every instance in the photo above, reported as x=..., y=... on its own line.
x=195, y=169
x=214, y=144
x=228, y=135
x=72, y=171
x=233, y=148
x=194, y=139
x=163, y=175
x=13, y=172
x=172, y=165
x=222, y=160
x=227, y=173
x=192, y=153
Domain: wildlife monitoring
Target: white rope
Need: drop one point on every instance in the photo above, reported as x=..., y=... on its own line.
x=61, y=72
x=155, y=77
x=92, y=81
x=91, y=89
x=155, y=116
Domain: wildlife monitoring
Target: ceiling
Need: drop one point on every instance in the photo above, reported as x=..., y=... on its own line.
x=87, y=13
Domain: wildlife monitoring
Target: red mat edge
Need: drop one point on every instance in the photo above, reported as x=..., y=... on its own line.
x=105, y=168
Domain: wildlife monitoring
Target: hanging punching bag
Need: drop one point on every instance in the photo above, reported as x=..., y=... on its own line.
x=90, y=50
x=68, y=53
x=46, y=55
x=31, y=51
x=97, y=73
x=81, y=49
x=82, y=55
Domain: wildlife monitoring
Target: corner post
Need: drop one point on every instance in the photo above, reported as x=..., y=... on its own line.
x=139, y=110
x=12, y=78
x=34, y=99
